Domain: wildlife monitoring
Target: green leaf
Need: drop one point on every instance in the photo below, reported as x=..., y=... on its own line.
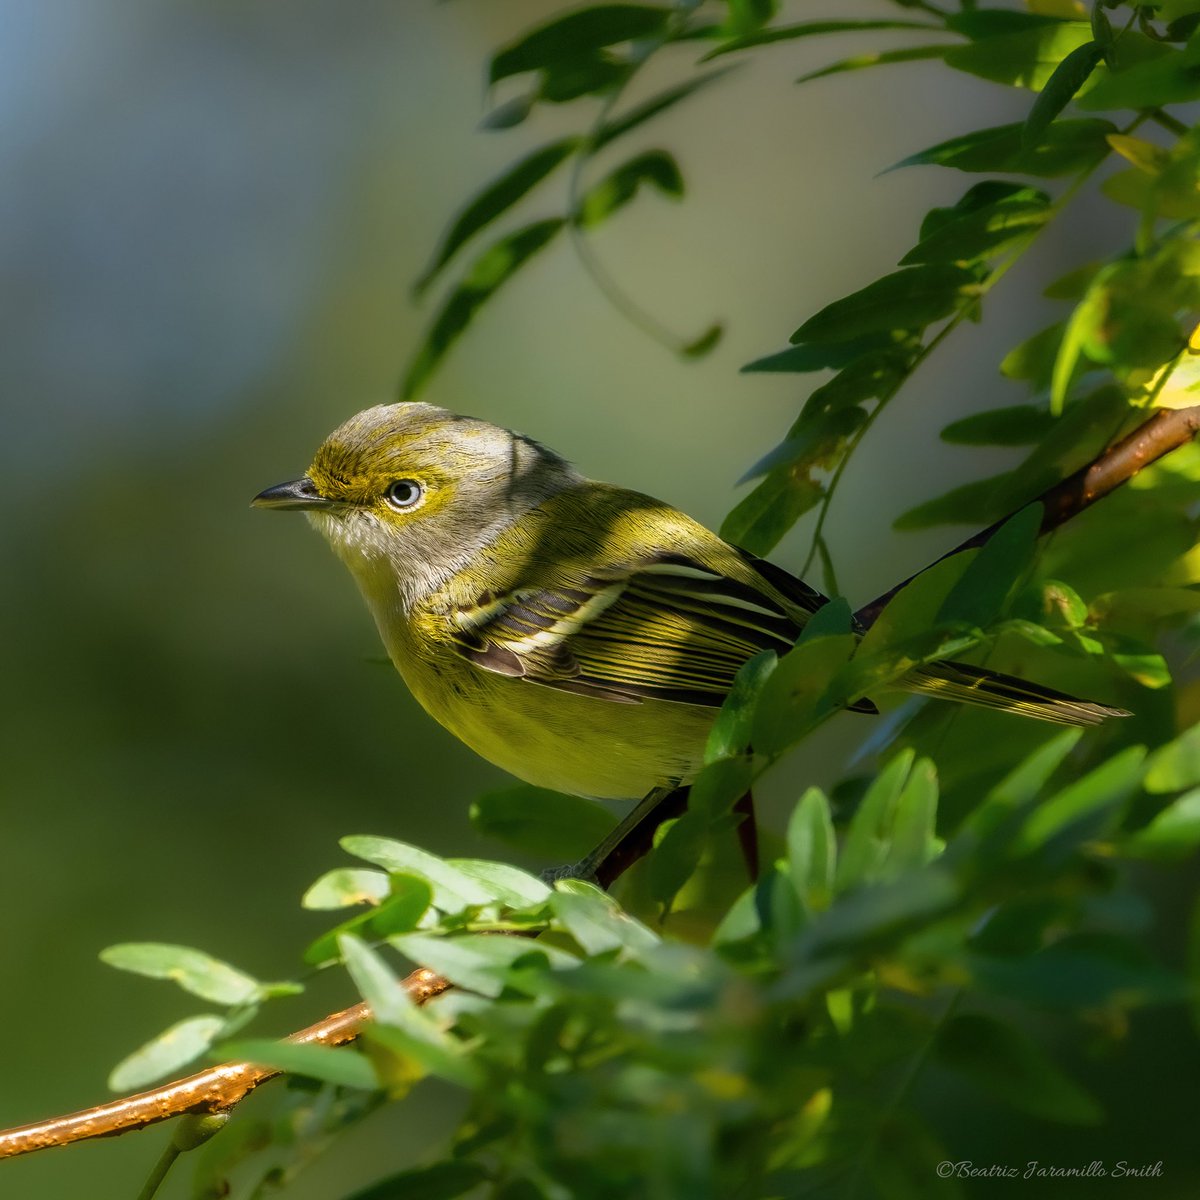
x=976, y=503
x=910, y=612
x=166, y=1053
x=479, y=962
x=1176, y=765
x=978, y=598
x=1173, y=78
x=652, y=168
x=577, y=34
x=330, y=1064
x=1068, y=77
x=1066, y=148
x=1086, y=808
x=619, y=126
x=730, y=732
x=907, y=299
x=676, y=856
x=452, y=889
x=376, y=982
x=817, y=357
x=979, y=231
x=346, y=887
x=1027, y=58
x=1008, y=1065
x=812, y=850
x=495, y=267
x=408, y=900
x=1015, y=425
x=495, y=199
x=877, y=58
x=791, y=33
x=913, y=841
x=986, y=23
x=865, y=847
x=538, y=821
x=698, y=347
x=442, y=1181
x=794, y=699
x=596, y=921
x=194, y=971
x=720, y=785
x=506, y=884
x=760, y=520
x=1174, y=831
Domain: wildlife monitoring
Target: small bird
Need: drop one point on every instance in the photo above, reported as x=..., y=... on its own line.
x=577, y=634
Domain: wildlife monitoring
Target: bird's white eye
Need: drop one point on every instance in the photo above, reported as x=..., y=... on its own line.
x=404, y=493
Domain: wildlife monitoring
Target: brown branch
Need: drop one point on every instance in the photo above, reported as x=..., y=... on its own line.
x=220, y=1088
x=215, y=1090
x=1167, y=430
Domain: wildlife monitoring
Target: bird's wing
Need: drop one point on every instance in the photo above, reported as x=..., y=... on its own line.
x=666, y=627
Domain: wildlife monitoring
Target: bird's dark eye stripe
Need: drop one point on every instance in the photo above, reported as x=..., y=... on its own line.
x=403, y=493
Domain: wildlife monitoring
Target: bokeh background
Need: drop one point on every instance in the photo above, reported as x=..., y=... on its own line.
x=211, y=214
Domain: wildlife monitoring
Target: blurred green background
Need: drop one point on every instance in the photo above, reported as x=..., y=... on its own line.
x=212, y=214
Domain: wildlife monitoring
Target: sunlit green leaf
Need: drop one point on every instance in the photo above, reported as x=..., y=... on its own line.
x=1068, y=77
x=597, y=922
x=865, y=847
x=173, y=1048
x=1065, y=147
x=982, y=230
x=507, y=884
x=1176, y=765
x=330, y=1064
x=1174, y=831
x=1027, y=58
x=194, y=971
x=812, y=849
x=1171, y=79
x=407, y=901
x=346, y=887
x=452, y=889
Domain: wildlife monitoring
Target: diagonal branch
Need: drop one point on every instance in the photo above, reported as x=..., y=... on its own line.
x=220, y=1088
x=1166, y=430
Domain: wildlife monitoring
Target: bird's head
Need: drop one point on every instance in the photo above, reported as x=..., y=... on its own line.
x=418, y=490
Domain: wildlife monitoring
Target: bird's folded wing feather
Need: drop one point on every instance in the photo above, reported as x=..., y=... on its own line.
x=666, y=628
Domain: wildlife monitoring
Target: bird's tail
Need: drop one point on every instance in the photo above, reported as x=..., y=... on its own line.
x=989, y=689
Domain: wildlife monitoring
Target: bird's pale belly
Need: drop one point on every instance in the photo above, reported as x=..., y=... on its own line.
x=560, y=740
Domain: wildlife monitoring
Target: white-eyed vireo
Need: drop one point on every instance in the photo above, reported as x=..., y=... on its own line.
x=578, y=635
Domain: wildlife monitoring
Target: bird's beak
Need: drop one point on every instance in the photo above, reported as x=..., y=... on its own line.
x=298, y=493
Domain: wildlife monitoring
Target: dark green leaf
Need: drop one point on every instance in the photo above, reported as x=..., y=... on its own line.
x=978, y=598
x=1010, y=1066
x=812, y=444
x=1066, y=147
x=907, y=299
x=538, y=821
x=977, y=503
x=194, y=971
x=760, y=519
x=592, y=74
x=1027, y=58
x=1016, y=425
x=509, y=114
x=619, y=126
x=817, y=357
x=577, y=34
x=706, y=342
x=329, y=1064
x=790, y=33
x=443, y=1181
x=166, y=1053
x=653, y=168
x=497, y=198
x=878, y=58
x=1069, y=76
x=488, y=273
x=730, y=733
x=986, y=23
x=910, y=612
